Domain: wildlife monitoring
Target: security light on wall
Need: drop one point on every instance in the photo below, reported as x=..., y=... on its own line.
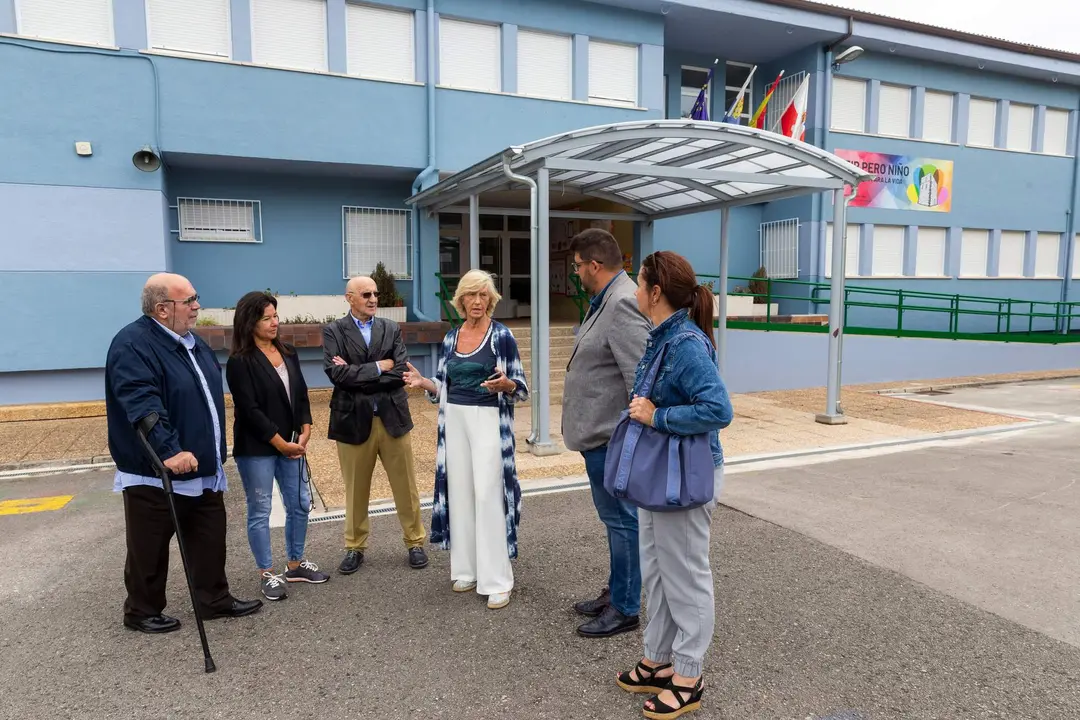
x=848, y=55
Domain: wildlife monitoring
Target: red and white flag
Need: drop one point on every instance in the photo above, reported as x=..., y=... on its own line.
x=793, y=121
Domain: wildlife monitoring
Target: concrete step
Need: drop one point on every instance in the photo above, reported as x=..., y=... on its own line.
x=555, y=331
x=554, y=353
x=558, y=341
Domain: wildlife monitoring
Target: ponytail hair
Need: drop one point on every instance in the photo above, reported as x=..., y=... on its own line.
x=678, y=284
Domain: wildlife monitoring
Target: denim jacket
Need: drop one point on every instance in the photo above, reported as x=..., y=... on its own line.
x=688, y=392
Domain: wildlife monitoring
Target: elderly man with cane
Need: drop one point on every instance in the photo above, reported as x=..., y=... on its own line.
x=158, y=369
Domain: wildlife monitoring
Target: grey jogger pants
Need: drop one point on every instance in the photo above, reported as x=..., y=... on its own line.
x=678, y=583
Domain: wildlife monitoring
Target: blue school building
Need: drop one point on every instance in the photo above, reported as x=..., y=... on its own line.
x=251, y=144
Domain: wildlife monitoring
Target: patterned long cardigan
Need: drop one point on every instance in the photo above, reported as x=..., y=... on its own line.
x=508, y=360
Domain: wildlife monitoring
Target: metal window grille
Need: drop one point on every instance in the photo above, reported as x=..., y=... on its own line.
x=212, y=220
x=785, y=91
x=780, y=248
x=374, y=235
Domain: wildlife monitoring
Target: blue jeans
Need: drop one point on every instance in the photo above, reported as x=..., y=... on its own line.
x=621, y=520
x=257, y=473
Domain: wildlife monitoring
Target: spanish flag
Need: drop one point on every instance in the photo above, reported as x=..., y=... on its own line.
x=758, y=120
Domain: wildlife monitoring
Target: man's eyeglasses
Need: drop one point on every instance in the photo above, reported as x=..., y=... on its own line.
x=367, y=294
x=189, y=301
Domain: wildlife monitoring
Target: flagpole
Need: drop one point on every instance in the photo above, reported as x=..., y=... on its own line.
x=741, y=91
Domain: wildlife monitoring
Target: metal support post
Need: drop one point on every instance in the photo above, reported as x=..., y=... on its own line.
x=542, y=339
x=721, y=290
x=474, y=232
x=832, y=414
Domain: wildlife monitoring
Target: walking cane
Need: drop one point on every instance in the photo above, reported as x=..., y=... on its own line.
x=145, y=426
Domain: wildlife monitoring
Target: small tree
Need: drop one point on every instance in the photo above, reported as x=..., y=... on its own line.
x=384, y=283
x=758, y=286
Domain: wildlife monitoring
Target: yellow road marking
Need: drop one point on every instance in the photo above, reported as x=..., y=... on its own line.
x=31, y=505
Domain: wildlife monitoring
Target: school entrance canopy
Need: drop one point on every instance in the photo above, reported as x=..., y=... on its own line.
x=659, y=169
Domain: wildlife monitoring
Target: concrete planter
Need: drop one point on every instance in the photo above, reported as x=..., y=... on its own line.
x=306, y=309
x=744, y=306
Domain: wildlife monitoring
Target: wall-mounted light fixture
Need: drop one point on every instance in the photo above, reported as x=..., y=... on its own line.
x=847, y=56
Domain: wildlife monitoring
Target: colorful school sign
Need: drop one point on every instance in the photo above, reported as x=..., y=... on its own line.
x=902, y=182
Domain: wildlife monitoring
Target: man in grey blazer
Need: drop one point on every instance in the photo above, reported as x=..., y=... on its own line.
x=599, y=380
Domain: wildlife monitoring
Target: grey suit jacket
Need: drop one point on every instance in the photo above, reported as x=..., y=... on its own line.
x=603, y=363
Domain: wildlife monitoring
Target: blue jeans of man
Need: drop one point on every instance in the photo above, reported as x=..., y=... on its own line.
x=257, y=473
x=621, y=520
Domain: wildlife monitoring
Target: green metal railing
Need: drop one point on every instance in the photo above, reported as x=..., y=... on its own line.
x=446, y=302
x=962, y=317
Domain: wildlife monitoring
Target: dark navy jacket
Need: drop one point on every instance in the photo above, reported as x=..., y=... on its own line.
x=148, y=371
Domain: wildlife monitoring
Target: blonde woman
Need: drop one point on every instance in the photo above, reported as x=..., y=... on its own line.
x=478, y=380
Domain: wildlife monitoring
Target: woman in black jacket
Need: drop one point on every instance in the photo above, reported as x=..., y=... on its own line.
x=270, y=434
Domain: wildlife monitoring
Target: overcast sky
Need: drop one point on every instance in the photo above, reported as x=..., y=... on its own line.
x=1049, y=23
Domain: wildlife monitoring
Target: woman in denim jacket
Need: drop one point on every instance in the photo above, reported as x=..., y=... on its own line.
x=688, y=398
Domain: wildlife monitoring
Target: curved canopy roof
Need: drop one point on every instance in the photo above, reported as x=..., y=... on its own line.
x=660, y=168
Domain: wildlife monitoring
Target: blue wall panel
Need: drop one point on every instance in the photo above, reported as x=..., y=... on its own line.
x=57, y=228
x=301, y=251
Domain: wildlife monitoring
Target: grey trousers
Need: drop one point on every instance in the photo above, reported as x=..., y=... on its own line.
x=678, y=583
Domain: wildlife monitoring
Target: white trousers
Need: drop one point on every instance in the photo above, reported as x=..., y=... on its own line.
x=474, y=481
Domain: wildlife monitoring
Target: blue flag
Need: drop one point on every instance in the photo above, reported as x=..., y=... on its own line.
x=700, y=111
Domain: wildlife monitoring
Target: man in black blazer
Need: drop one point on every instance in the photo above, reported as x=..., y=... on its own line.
x=364, y=356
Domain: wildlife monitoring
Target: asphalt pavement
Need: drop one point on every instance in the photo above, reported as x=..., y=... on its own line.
x=804, y=630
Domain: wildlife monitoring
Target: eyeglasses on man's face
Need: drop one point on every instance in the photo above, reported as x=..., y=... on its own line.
x=367, y=294
x=187, y=301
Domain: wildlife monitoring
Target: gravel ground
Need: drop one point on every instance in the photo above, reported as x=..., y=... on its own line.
x=803, y=631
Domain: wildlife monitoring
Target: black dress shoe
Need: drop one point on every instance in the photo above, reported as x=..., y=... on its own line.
x=352, y=562
x=417, y=558
x=592, y=608
x=239, y=608
x=153, y=625
x=610, y=622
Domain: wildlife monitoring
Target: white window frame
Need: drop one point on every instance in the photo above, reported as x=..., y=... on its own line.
x=541, y=91
x=1021, y=135
x=901, y=114
x=444, y=47
x=325, y=63
x=355, y=52
x=1061, y=143
x=1047, y=242
x=188, y=51
x=848, y=82
x=708, y=90
x=223, y=233
x=779, y=244
x=983, y=236
x=379, y=253
x=992, y=105
x=927, y=266
x=632, y=102
x=930, y=131
x=1008, y=242
x=748, y=99
x=852, y=249
x=879, y=249
x=111, y=43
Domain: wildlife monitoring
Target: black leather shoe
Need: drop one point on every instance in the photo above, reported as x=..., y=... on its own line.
x=610, y=622
x=592, y=608
x=239, y=608
x=153, y=625
x=352, y=562
x=417, y=558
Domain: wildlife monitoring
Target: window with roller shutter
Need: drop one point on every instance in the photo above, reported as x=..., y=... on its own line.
x=888, y=248
x=894, y=111
x=289, y=34
x=1021, y=127
x=938, y=117
x=1047, y=254
x=1011, y=253
x=974, y=251
x=848, y=105
x=851, y=248
x=381, y=43
x=613, y=73
x=1056, y=132
x=982, y=123
x=545, y=65
x=930, y=252
x=470, y=55
x=80, y=21
x=194, y=26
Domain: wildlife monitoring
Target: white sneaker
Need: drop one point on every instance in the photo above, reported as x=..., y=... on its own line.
x=464, y=585
x=498, y=600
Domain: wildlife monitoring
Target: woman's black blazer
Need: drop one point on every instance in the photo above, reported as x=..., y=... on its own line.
x=260, y=405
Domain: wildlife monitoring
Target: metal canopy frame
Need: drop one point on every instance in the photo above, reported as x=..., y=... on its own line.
x=659, y=169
